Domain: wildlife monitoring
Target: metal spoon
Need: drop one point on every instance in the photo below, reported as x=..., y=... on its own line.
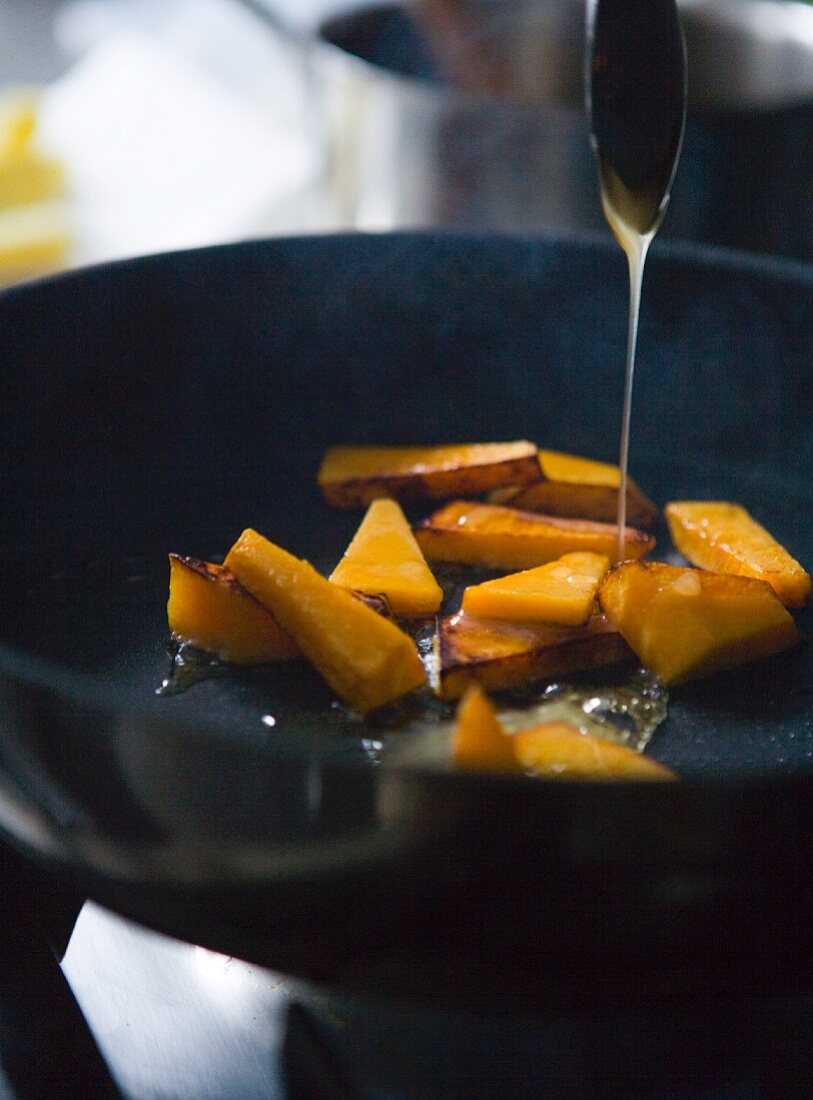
x=636, y=99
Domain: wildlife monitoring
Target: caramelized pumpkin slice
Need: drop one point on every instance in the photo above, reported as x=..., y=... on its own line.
x=581, y=488
x=685, y=623
x=383, y=559
x=366, y=659
x=563, y=591
x=210, y=609
x=558, y=750
x=479, y=742
x=497, y=537
x=501, y=655
x=724, y=538
x=353, y=476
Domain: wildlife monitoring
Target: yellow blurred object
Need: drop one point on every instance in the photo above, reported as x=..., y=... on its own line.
x=480, y=743
x=34, y=231
x=557, y=750
x=18, y=121
x=30, y=178
x=33, y=239
x=551, y=750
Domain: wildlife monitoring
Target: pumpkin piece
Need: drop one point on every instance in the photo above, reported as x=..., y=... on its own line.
x=384, y=559
x=685, y=623
x=34, y=234
x=497, y=537
x=479, y=742
x=562, y=591
x=353, y=476
x=501, y=655
x=210, y=609
x=366, y=659
x=725, y=538
x=558, y=750
x=580, y=488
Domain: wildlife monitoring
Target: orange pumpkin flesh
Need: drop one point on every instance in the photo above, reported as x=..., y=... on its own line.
x=562, y=591
x=479, y=742
x=724, y=538
x=497, y=537
x=550, y=750
x=210, y=609
x=353, y=476
x=685, y=623
x=502, y=655
x=383, y=559
x=580, y=488
x=366, y=659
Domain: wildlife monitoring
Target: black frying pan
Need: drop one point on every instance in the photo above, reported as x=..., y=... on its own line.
x=167, y=403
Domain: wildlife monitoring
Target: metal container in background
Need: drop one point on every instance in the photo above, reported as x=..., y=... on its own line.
x=469, y=113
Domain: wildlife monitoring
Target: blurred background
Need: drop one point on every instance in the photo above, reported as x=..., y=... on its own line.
x=133, y=126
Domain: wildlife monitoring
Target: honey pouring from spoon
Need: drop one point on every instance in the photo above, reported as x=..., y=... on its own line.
x=636, y=101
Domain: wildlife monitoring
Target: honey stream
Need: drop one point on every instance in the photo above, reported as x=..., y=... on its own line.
x=636, y=98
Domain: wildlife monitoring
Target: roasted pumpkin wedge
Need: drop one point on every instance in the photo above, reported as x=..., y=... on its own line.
x=497, y=537
x=558, y=750
x=353, y=476
x=502, y=655
x=685, y=623
x=210, y=609
x=366, y=659
x=479, y=742
x=580, y=488
x=725, y=538
x=563, y=591
x=383, y=559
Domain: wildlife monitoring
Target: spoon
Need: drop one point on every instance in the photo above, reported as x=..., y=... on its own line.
x=636, y=101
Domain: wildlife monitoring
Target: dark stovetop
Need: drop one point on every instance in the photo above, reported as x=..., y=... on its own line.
x=134, y=1015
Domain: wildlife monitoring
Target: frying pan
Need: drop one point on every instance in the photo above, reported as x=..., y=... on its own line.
x=165, y=403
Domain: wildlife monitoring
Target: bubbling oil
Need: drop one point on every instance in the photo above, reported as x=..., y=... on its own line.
x=626, y=710
x=188, y=666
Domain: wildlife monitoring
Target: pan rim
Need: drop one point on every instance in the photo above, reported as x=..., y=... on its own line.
x=695, y=253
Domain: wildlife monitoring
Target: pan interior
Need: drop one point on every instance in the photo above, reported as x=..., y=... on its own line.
x=165, y=404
